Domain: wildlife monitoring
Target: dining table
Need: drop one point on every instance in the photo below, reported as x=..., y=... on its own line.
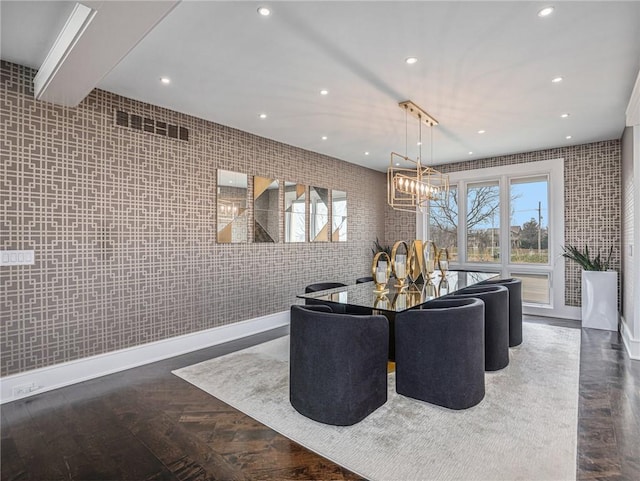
x=364, y=298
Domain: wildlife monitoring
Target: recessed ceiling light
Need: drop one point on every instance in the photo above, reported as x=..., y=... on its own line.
x=470, y=153
x=411, y=60
x=481, y=131
x=546, y=11
x=324, y=92
x=397, y=164
x=262, y=116
x=556, y=80
x=419, y=143
x=568, y=137
x=165, y=80
x=564, y=116
x=324, y=137
x=264, y=11
x=366, y=153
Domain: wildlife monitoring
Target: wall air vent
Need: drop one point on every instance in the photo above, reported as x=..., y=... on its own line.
x=145, y=124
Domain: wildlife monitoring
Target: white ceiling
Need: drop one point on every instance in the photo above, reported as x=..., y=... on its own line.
x=481, y=65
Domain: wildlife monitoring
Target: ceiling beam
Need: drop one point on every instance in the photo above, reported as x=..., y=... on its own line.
x=97, y=35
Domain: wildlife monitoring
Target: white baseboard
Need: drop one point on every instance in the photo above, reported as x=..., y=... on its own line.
x=631, y=345
x=37, y=381
x=565, y=312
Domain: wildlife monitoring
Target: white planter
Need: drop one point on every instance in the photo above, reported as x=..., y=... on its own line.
x=600, y=300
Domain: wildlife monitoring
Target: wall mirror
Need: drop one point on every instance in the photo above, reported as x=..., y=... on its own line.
x=319, y=214
x=232, y=207
x=339, y=216
x=294, y=212
x=266, y=209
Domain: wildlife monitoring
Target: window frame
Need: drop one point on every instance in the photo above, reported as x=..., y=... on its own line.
x=554, y=170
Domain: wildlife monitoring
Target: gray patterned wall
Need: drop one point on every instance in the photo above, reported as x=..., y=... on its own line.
x=398, y=225
x=123, y=227
x=628, y=225
x=592, y=199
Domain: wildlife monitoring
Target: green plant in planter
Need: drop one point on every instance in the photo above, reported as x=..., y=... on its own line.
x=583, y=258
x=377, y=247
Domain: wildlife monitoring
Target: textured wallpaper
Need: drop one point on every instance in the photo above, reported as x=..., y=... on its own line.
x=628, y=225
x=123, y=224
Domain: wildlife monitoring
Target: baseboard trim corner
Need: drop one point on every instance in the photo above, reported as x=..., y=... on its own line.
x=630, y=344
x=30, y=383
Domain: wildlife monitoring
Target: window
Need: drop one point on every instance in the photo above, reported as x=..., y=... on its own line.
x=508, y=219
x=483, y=222
x=529, y=226
x=535, y=287
x=443, y=223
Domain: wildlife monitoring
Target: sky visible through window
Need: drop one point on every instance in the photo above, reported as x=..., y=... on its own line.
x=524, y=202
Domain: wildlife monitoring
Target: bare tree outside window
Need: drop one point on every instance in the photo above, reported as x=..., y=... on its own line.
x=443, y=223
x=482, y=216
x=483, y=222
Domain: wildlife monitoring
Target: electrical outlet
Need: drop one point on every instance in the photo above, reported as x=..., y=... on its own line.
x=25, y=389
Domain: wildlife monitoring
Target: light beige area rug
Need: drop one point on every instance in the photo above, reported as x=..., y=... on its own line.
x=524, y=429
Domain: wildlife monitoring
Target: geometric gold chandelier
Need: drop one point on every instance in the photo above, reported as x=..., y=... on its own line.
x=411, y=185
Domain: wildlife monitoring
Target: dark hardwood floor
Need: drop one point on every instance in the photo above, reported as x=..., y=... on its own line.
x=147, y=424
x=609, y=409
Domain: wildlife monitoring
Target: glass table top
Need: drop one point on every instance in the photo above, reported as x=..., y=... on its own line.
x=397, y=300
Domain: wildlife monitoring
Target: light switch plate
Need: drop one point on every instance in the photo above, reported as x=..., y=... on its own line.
x=17, y=258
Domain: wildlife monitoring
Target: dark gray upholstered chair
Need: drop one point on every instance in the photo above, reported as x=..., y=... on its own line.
x=496, y=323
x=338, y=364
x=515, y=307
x=323, y=286
x=440, y=353
x=362, y=280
